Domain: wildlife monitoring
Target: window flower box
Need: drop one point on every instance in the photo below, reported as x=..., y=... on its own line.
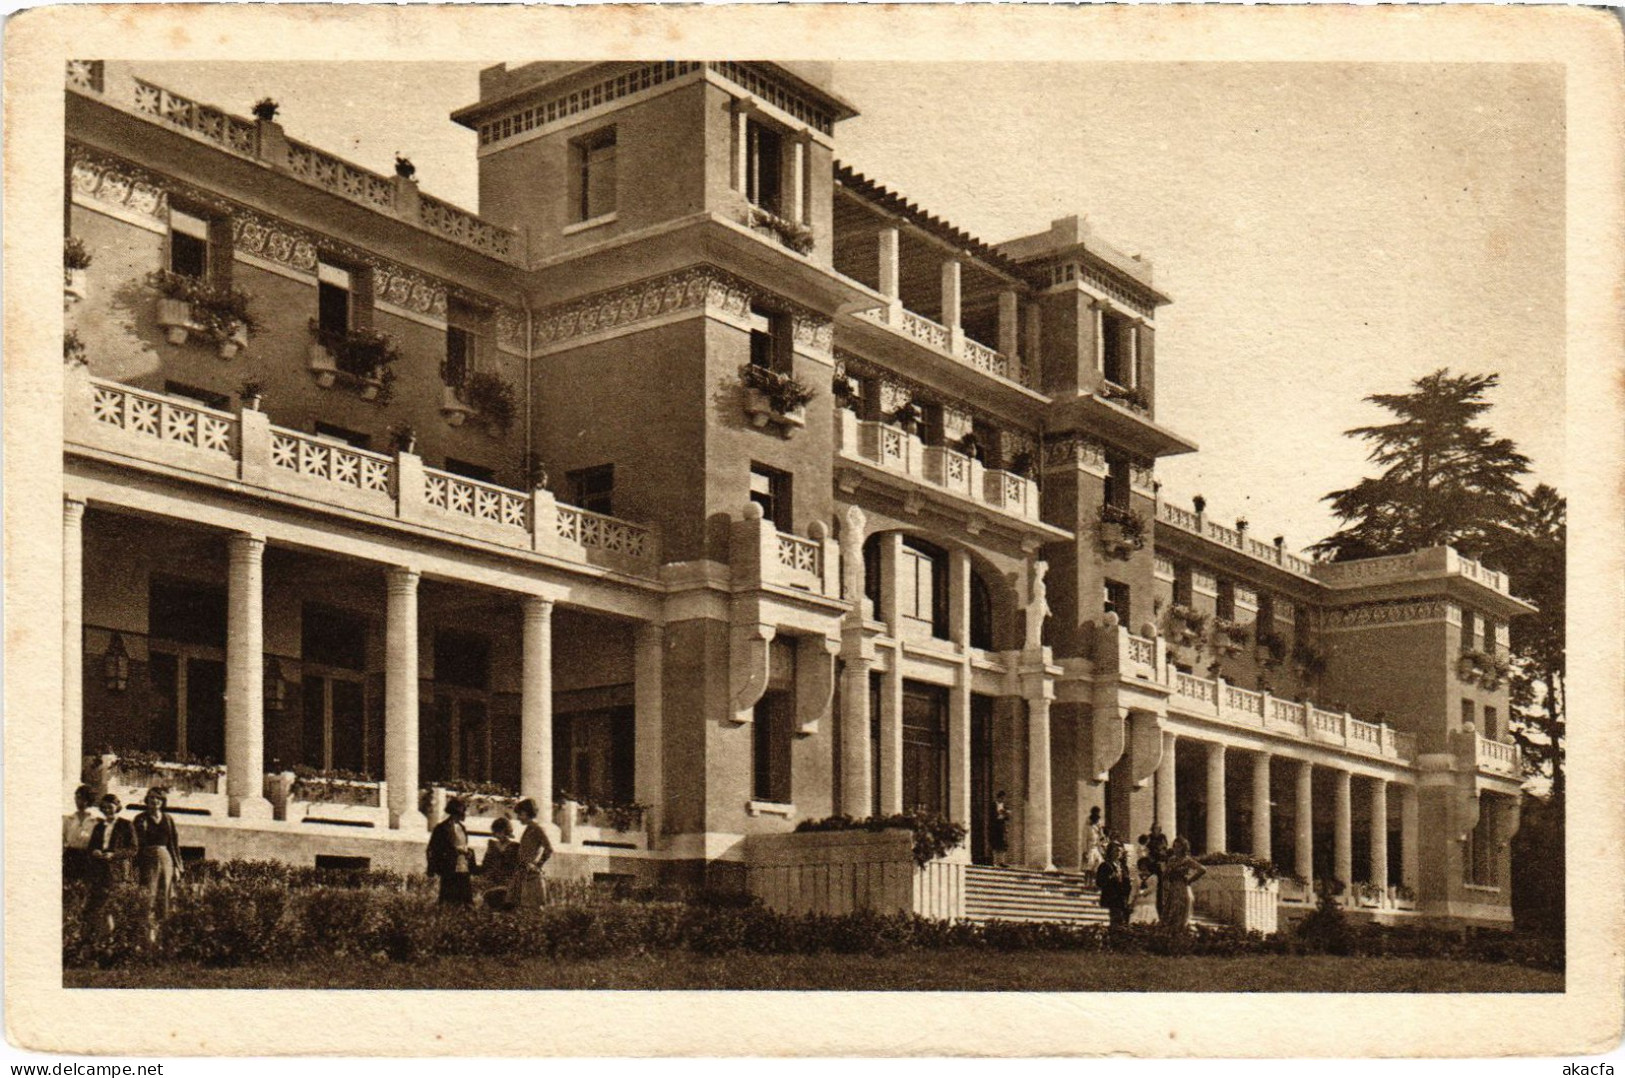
x=215, y=312
x=337, y=797
x=323, y=366
x=1122, y=531
x=175, y=316
x=235, y=341
x=774, y=397
x=452, y=407
x=195, y=787
x=360, y=358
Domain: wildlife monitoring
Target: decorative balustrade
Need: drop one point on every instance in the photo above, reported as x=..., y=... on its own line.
x=1366, y=733
x=172, y=433
x=1244, y=700
x=893, y=450
x=1185, y=520
x=1497, y=756
x=800, y=555
x=1196, y=688
x=313, y=458
x=594, y=531
x=1179, y=518
x=1368, y=569
x=1142, y=651
x=939, y=337
x=1326, y=722
x=162, y=418
x=248, y=138
x=1472, y=570
x=1290, y=713
x=1230, y=537
x=232, y=132
x=475, y=499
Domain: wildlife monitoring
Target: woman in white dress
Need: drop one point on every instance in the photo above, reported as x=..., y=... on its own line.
x=1094, y=842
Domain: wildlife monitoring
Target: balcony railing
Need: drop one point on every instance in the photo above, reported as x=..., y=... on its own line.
x=894, y=450
x=1497, y=756
x=1234, y=538
x=246, y=450
x=940, y=338
x=249, y=138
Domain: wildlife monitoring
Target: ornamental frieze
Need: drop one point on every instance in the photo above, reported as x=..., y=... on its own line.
x=1355, y=617
x=1074, y=451
x=401, y=287
x=511, y=328
x=1142, y=477
x=273, y=241
x=894, y=391
x=115, y=183
x=696, y=288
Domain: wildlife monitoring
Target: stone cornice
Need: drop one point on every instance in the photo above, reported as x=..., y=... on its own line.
x=1412, y=612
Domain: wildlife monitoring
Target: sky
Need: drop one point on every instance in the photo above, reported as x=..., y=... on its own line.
x=1326, y=231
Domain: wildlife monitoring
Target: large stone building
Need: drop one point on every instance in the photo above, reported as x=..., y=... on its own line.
x=531, y=501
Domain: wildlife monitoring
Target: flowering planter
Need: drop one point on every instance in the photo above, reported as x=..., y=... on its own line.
x=74, y=285
x=1115, y=540
x=758, y=407
x=175, y=316
x=370, y=385
x=193, y=788
x=482, y=809
x=322, y=366
x=338, y=801
x=234, y=342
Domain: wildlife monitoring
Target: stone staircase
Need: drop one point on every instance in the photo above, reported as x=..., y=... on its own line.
x=1025, y=894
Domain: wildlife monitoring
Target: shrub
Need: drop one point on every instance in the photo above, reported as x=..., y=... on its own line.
x=75, y=255
x=934, y=834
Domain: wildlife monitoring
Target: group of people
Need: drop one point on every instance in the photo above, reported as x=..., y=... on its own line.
x=512, y=869
x=1167, y=900
x=106, y=849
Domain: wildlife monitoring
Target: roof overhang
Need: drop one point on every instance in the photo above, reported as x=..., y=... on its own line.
x=1118, y=424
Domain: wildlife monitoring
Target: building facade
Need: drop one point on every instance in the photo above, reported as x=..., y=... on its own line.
x=698, y=486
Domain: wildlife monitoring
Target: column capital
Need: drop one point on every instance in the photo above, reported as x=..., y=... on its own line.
x=401, y=579
x=73, y=509
x=245, y=544
x=537, y=607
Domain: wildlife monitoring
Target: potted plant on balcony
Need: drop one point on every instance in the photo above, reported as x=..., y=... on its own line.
x=774, y=396
x=404, y=438
x=908, y=417
x=1132, y=396
x=845, y=391
x=251, y=394
x=1309, y=659
x=75, y=260
x=362, y=357
x=1024, y=465
x=265, y=109
x=797, y=237
x=493, y=397
x=1122, y=530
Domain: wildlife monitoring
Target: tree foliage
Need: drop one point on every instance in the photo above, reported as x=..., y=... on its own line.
x=1446, y=480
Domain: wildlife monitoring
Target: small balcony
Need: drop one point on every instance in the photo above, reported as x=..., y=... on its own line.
x=175, y=435
x=895, y=452
x=763, y=555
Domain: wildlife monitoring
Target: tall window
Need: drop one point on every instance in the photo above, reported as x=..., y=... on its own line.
x=1266, y=612
x=1182, y=585
x=981, y=613
x=459, y=362
x=1117, y=600
x=764, y=166
x=592, y=174
x=188, y=244
x=333, y=646
x=769, y=338
x=334, y=298
x=1117, y=348
x=1227, y=600
x=1466, y=712
x=1469, y=630
x=1491, y=721
x=770, y=489
x=922, y=585
x=1117, y=482
x=593, y=489
x=356, y=438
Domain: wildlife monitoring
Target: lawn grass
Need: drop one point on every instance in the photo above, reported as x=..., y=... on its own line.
x=949, y=970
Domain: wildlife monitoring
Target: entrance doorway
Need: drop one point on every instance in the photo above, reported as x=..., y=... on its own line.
x=191, y=691
x=925, y=748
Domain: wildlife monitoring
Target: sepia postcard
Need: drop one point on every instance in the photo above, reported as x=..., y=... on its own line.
x=814, y=530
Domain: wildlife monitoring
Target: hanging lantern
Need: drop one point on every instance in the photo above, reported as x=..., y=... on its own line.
x=116, y=665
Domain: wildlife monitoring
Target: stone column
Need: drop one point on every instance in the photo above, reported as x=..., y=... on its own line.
x=1379, y=833
x=1039, y=839
x=1408, y=835
x=959, y=710
x=891, y=549
x=1166, y=793
x=245, y=677
x=73, y=645
x=959, y=598
x=1098, y=311
x=1216, y=819
x=1303, y=823
x=649, y=733
x=1009, y=322
x=1133, y=364
x=798, y=181
x=857, y=794
x=950, y=294
x=401, y=698
x=536, y=703
x=1342, y=828
x=1261, y=805
x=741, y=147
x=889, y=264
x=891, y=735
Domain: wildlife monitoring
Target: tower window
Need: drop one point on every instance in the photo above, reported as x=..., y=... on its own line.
x=592, y=174
x=459, y=357
x=1117, y=349
x=1117, y=600
x=922, y=585
x=188, y=244
x=769, y=336
x=764, y=166
x=334, y=298
x=1117, y=482
x=1227, y=600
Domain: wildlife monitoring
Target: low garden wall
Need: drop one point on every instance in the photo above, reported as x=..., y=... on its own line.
x=1234, y=895
x=834, y=872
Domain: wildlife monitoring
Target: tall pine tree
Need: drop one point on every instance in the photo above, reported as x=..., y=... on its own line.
x=1445, y=481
